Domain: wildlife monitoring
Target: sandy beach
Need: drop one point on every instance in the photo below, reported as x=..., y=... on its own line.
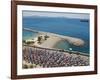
x=50, y=42
x=54, y=38
x=72, y=40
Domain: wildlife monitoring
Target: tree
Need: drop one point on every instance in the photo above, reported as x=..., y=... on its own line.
x=24, y=41
x=46, y=37
x=39, y=39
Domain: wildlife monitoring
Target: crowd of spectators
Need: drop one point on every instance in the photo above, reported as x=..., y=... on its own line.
x=53, y=58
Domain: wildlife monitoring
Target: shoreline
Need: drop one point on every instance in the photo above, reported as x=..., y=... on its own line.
x=72, y=40
x=54, y=40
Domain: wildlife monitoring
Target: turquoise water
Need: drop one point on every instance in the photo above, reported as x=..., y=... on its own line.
x=62, y=45
x=28, y=35
x=60, y=25
x=66, y=46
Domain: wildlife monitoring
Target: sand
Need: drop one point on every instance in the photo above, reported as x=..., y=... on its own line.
x=50, y=42
x=72, y=40
x=54, y=38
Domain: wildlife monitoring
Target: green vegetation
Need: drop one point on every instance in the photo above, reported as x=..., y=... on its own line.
x=30, y=66
x=46, y=37
x=25, y=66
x=39, y=39
x=24, y=41
x=28, y=42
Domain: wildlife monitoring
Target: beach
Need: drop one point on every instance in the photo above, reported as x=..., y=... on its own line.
x=50, y=42
x=55, y=38
x=43, y=53
x=55, y=41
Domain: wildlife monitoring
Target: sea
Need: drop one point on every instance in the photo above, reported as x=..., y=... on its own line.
x=73, y=27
